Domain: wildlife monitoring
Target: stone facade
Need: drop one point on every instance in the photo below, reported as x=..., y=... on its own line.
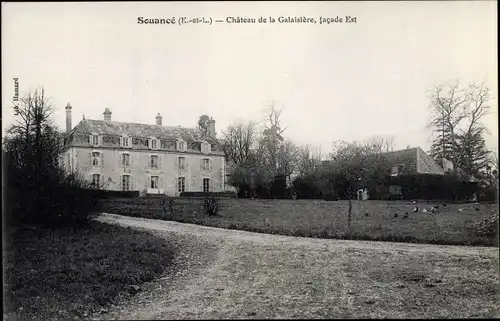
x=151, y=159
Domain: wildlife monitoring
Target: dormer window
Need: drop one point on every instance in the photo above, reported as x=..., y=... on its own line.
x=181, y=146
x=153, y=143
x=205, y=148
x=397, y=170
x=126, y=141
x=95, y=139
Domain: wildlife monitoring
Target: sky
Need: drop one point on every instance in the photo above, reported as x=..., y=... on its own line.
x=338, y=81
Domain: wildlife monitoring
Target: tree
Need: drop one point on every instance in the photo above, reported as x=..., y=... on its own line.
x=287, y=159
x=203, y=123
x=354, y=165
x=272, y=135
x=239, y=140
x=38, y=190
x=308, y=159
x=456, y=124
x=473, y=157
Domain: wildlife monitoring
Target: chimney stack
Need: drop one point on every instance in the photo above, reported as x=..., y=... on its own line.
x=107, y=114
x=68, y=118
x=211, y=128
x=158, y=119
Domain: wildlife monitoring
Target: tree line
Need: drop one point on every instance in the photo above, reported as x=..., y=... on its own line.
x=261, y=160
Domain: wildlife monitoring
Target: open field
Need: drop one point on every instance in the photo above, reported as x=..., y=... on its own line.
x=322, y=219
x=263, y=276
x=64, y=274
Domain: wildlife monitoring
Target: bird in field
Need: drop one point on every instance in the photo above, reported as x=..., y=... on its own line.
x=433, y=209
x=444, y=205
x=415, y=209
x=424, y=210
x=414, y=202
x=395, y=215
x=406, y=215
x=460, y=210
x=477, y=209
x=366, y=214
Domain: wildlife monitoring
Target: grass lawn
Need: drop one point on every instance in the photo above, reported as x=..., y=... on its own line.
x=322, y=219
x=70, y=274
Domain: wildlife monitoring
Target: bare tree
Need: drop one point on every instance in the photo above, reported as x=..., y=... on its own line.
x=240, y=139
x=473, y=157
x=272, y=135
x=456, y=123
x=287, y=159
x=354, y=165
x=308, y=159
x=448, y=106
x=382, y=144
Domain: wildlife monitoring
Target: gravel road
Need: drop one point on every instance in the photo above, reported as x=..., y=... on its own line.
x=237, y=274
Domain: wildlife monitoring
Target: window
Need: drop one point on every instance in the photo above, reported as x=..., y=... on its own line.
x=205, y=148
x=126, y=182
x=125, y=160
x=206, y=164
x=95, y=139
x=154, y=182
x=125, y=141
x=154, y=162
x=181, y=184
x=181, y=145
x=182, y=162
x=395, y=190
x=154, y=143
x=397, y=170
x=96, y=159
x=96, y=180
x=206, y=184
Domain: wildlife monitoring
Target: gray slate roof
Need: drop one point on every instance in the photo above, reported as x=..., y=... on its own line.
x=416, y=160
x=89, y=126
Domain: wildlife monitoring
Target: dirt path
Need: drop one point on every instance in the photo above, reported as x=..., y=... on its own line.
x=239, y=274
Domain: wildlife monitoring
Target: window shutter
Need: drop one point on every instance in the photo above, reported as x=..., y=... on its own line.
x=176, y=163
x=186, y=163
x=130, y=160
x=132, y=183
x=129, y=142
x=210, y=164
x=121, y=141
x=90, y=139
x=149, y=142
x=120, y=185
x=159, y=161
x=100, y=140
x=160, y=182
x=211, y=187
x=90, y=159
x=102, y=159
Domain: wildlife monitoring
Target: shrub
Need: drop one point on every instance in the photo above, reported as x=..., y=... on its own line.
x=209, y=194
x=211, y=206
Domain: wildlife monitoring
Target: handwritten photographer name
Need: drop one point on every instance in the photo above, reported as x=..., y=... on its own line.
x=247, y=20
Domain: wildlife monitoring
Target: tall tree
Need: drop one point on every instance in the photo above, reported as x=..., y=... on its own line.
x=448, y=107
x=456, y=123
x=272, y=136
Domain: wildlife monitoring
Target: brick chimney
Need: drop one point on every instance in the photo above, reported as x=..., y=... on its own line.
x=68, y=118
x=211, y=128
x=107, y=114
x=158, y=119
